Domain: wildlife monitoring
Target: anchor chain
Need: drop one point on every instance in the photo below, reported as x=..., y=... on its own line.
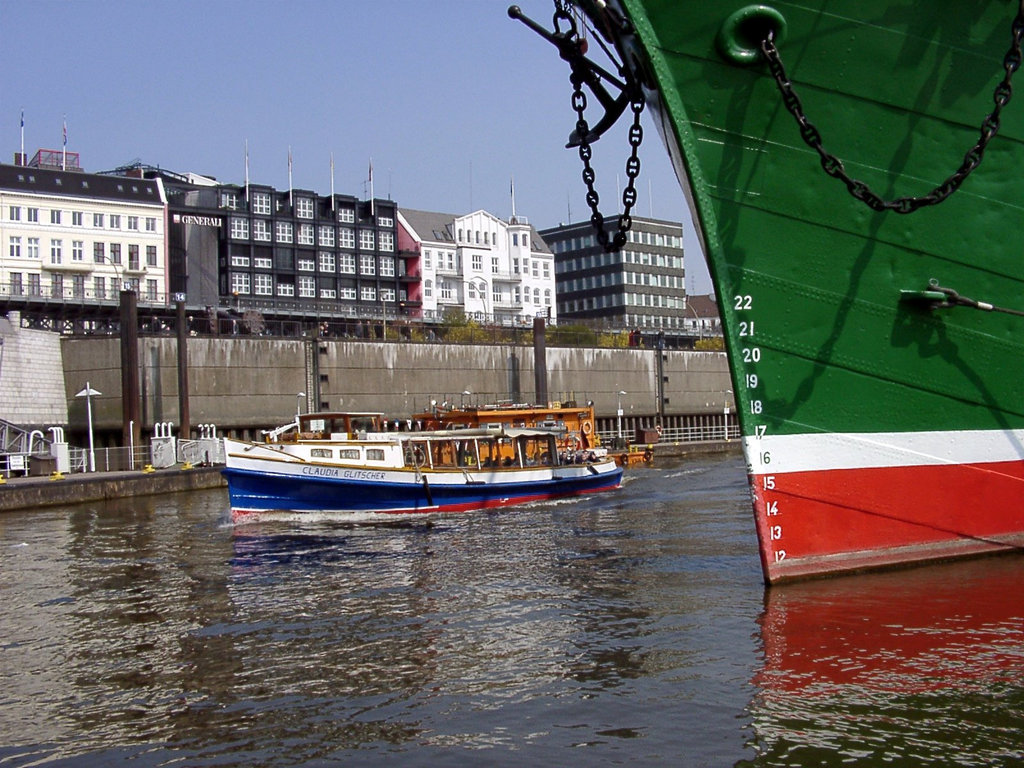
x=834, y=166
x=586, y=151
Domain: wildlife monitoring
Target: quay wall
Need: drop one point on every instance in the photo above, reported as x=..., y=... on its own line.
x=243, y=384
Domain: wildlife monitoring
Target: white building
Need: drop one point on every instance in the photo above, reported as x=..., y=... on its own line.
x=73, y=236
x=496, y=271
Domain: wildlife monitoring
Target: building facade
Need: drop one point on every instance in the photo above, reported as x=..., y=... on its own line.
x=285, y=253
x=79, y=238
x=496, y=271
x=642, y=286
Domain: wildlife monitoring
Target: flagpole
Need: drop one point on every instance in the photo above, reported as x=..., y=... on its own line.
x=64, y=156
x=23, y=161
x=246, y=171
x=512, y=189
x=373, y=213
x=290, y=203
x=332, y=182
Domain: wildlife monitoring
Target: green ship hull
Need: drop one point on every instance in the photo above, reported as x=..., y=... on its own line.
x=882, y=411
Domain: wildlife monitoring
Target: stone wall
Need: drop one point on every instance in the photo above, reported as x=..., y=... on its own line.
x=33, y=394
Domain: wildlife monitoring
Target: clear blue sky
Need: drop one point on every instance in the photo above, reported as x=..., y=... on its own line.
x=451, y=99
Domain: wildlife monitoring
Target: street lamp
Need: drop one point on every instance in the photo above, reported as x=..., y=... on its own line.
x=298, y=412
x=618, y=413
x=87, y=393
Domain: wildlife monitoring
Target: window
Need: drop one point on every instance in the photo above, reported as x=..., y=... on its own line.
x=286, y=289
x=239, y=228
x=98, y=252
x=367, y=265
x=326, y=261
x=76, y=218
x=284, y=232
x=133, y=257
x=115, y=253
x=77, y=250
x=32, y=250
x=368, y=293
x=17, y=289
x=446, y=290
x=347, y=263
x=306, y=264
x=263, y=262
x=150, y=255
x=55, y=217
x=264, y=284
x=261, y=230
x=328, y=293
x=228, y=200
x=15, y=247
x=151, y=224
x=56, y=251
x=307, y=287
x=97, y=220
x=304, y=208
x=426, y=259
x=327, y=236
x=306, y=234
x=387, y=294
x=347, y=292
x=239, y=261
x=387, y=267
x=99, y=287
x=14, y=213
x=133, y=223
x=428, y=289
x=115, y=221
x=33, y=214
x=385, y=221
x=346, y=238
x=366, y=239
x=387, y=241
x=478, y=262
x=57, y=286
x=261, y=203
x=346, y=215
x=151, y=290
x=35, y=287
x=240, y=282
x=494, y=264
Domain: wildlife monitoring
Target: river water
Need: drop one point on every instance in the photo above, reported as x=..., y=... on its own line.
x=628, y=628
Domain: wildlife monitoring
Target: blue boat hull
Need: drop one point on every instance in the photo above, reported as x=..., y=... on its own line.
x=254, y=491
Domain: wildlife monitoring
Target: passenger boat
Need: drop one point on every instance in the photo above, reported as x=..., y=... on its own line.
x=873, y=305
x=348, y=463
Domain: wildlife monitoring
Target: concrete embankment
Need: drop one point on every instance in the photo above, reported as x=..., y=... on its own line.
x=33, y=492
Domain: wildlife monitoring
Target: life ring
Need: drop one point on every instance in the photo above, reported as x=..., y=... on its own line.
x=587, y=427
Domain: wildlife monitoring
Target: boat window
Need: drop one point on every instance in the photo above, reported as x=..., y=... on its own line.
x=375, y=454
x=442, y=453
x=349, y=453
x=417, y=453
x=321, y=453
x=364, y=424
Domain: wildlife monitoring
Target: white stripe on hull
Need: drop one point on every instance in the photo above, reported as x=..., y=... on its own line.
x=779, y=454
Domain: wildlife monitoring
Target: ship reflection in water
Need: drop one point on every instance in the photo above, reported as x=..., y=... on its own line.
x=911, y=667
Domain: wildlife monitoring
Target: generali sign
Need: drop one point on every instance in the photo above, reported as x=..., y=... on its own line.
x=200, y=221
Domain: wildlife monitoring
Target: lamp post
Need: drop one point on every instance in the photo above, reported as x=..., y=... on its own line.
x=618, y=413
x=298, y=412
x=87, y=393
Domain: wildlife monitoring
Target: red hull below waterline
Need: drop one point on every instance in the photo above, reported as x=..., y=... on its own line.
x=828, y=521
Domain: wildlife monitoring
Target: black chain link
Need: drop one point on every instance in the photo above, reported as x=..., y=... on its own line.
x=629, y=195
x=834, y=166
